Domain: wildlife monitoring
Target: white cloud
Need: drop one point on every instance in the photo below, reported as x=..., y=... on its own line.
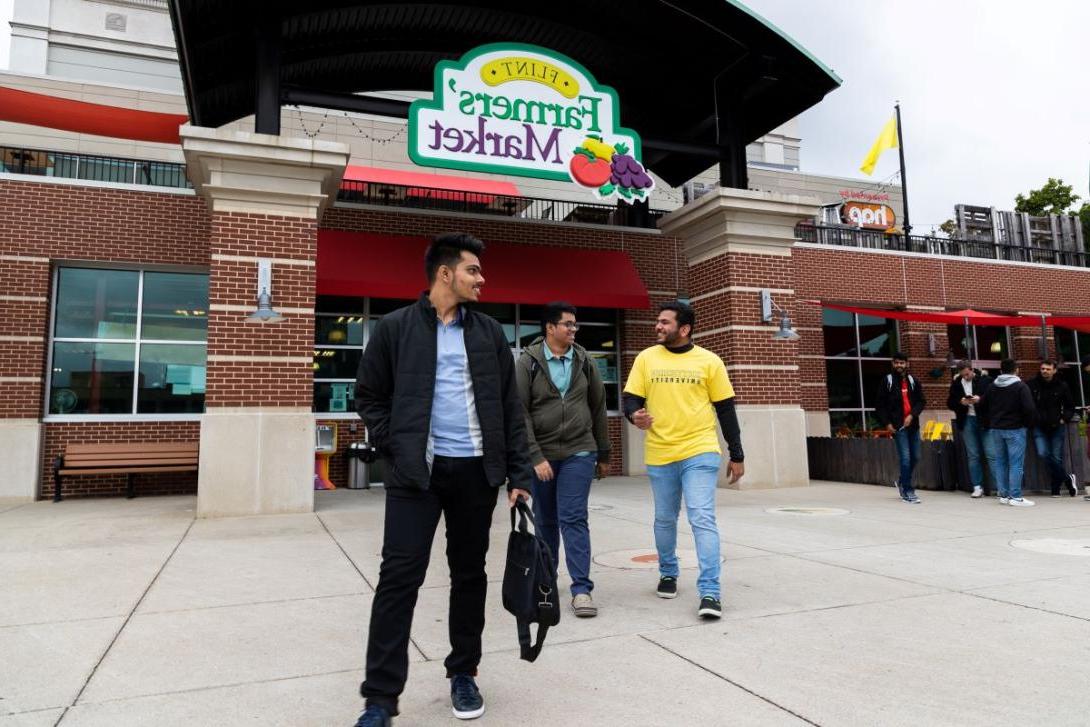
x=995, y=96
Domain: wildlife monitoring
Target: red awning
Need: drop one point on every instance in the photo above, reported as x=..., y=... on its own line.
x=36, y=109
x=426, y=185
x=392, y=266
x=974, y=317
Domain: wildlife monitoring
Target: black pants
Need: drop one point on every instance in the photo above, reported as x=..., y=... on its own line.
x=460, y=491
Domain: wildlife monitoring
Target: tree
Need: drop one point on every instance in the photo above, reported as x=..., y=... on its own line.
x=1084, y=215
x=949, y=227
x=1054, y=198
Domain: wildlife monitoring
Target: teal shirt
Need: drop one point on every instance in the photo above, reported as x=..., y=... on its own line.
x=559, y=368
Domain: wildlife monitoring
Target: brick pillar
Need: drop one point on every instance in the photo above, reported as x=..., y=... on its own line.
x=916, y=338
x=738, y=242
x=265, y=194
x=24, y=316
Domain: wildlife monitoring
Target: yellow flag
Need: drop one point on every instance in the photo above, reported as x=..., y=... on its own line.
x=886, y=140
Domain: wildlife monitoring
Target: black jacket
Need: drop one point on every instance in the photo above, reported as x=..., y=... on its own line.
x=395, y=386
x=1008, y=404
x=1055, y=405
x=888, y=407
x=953, y=401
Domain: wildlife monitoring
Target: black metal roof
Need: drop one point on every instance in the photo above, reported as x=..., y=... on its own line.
x=666, y=60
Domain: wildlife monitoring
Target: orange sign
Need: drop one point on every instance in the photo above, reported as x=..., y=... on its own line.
x=869, y=215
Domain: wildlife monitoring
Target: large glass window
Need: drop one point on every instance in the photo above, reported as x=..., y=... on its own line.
x=991, y=344
x=1071, y=346
x=857, y=353
x=128, y=342
x=343, y=327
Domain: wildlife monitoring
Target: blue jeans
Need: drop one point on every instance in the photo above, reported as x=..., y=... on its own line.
x=1007, y=460
x=972, y=436
x=908, y=452
x=560, y=508
x=1050, y=448
x=696, y=478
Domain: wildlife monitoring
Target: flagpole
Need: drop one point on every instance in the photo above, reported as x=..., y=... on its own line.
x=904, y=181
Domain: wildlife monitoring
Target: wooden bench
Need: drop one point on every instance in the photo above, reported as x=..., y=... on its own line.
x=131, y=459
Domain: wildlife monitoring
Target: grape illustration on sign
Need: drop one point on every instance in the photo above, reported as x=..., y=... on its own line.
x=527, y=111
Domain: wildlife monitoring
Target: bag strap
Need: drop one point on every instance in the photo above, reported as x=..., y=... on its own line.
x=527, y=651
x=525, y=515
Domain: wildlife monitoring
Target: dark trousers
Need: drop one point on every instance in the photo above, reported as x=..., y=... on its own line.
x=460, y=491
x=908, y=454
x=560, y=508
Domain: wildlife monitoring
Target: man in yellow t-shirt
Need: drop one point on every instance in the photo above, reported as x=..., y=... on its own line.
x=675, y=393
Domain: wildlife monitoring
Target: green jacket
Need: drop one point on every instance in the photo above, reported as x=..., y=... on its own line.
x=558, y=427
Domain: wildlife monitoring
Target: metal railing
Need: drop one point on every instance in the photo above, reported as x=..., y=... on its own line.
x=980, y=249
x=527, y=208
x=42, y=162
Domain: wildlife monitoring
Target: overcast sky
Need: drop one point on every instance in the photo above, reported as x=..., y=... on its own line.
x=995, y=96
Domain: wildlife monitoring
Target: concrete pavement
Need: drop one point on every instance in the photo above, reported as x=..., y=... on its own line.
x=846, y=607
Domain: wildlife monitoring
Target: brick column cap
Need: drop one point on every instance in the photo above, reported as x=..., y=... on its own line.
x=236, y=171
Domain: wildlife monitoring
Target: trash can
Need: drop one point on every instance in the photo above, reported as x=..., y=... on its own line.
x=359, y=471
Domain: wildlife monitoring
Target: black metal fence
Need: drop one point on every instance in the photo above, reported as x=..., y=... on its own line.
x=92, y=167
x=528, y=208
x=877, y=240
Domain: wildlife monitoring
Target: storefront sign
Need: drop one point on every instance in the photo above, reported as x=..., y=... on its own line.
x=527, y=111
x=868, y=215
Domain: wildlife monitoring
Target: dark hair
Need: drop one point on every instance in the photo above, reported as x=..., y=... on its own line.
x=447, y=250
x=553, y=312
x=964, y=364
x=1049, y=362
x=898, y=356
x=1008, y=365
x=686, y=316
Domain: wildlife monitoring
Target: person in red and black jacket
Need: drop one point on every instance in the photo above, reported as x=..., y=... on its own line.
x=898, y=405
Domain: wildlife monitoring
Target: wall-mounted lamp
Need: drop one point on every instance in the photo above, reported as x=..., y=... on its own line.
x=264, y=312
x=932, y=345
x=786, y=332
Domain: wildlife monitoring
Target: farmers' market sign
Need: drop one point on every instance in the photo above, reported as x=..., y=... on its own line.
x=527, y=111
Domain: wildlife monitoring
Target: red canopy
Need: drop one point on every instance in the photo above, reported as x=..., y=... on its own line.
x=974, y=317
x=392, y=266
x=36, y=109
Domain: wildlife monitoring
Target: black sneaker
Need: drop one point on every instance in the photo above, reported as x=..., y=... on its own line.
x=710, y=608
x=667, y=587
x=465, y=698
x=374, y=716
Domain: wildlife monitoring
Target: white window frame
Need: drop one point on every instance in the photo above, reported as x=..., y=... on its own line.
x=136, y=342
x=862, y=410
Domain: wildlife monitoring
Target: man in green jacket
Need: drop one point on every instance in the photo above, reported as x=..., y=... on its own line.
x=565, y=404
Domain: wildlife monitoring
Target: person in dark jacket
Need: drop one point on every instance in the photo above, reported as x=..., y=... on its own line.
x=436, y=389
x=566, y=427
x=1009, y=410
x=899, y=402
x=966, y=390
x=1055, y=408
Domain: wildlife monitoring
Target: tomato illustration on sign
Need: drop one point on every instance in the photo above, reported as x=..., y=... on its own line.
x=609, y=169
x=589, y=170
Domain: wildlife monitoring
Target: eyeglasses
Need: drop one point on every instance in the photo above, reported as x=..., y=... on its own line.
x=570, y=325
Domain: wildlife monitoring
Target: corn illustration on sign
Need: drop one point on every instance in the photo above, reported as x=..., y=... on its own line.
x=522, y=110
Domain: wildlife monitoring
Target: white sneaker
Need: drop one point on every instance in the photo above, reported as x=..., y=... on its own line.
x=977, y=492
x=1021, y=502
x=1074, y=484
x=1004, y=501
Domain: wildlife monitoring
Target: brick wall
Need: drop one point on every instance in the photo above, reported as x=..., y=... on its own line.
x=46, y=223
x=883, y=280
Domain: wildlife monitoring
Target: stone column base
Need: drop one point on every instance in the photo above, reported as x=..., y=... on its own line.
x=20, y=459
x=774, y=437
x=256, y=461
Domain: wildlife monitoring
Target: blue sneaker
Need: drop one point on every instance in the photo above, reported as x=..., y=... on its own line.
x=374, y=716
x=465, y=698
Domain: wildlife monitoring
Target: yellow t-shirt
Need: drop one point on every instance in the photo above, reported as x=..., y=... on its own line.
x=679, y=389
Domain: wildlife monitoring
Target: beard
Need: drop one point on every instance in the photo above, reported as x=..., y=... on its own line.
x=670, y=339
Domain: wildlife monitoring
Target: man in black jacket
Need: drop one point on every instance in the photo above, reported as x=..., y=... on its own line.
x=1009, y=410
x=898, y=404
x=966, y=391
x=1055, y=408
x=436, y=389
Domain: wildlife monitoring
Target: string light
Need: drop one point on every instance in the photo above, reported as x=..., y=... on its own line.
x=359, y=131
